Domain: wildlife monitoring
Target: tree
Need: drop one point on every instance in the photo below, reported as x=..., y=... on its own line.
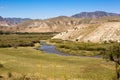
x=113, y=54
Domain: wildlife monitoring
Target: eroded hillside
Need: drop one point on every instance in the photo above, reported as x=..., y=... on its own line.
x=108, y=31
x=58, y=24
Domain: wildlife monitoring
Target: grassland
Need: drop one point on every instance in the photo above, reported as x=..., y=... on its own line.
x=27, y=63
x=30, y=63
x=22, y=39
x=79, y=48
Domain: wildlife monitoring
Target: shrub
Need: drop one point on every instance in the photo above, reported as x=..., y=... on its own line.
x=78, y=48
x=56, y=41
x=22, y=39
x=1, y=66
x=112, y=53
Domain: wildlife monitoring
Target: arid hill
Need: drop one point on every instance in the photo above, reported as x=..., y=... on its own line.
x=3, y=22
x=58, y=24
x=105, y=27
x=99, y=32
x=9, y=24
x=12, y=21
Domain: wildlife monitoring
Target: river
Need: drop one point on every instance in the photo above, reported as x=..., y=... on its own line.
x=52, y=50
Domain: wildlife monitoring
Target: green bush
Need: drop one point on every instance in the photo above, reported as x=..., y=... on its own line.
x=1, y=66
x=80, y=48
x=26, y=39
x=4, y=45
x=56, y=41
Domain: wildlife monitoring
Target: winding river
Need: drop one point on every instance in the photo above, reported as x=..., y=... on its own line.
x=52, y=50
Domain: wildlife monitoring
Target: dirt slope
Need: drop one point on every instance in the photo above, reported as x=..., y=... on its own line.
x=108, y=31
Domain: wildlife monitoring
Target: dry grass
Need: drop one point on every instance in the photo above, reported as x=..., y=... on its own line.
x=24, y=63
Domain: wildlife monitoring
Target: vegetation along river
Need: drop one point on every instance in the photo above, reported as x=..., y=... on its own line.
x=52, y=50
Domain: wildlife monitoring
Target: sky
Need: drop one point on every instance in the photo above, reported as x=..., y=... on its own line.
x=43, y=9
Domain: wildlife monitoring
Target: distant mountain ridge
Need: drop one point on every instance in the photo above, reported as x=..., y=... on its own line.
x=95, y=14
x=95, y=26
x=17, y=20
x=12, y=21
x=1, y=18
x=57, y=24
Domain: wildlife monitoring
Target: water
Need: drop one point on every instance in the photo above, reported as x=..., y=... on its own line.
x=52, y=50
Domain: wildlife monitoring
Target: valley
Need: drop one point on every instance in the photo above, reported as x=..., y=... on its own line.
x=78, y=47
x=24, y=62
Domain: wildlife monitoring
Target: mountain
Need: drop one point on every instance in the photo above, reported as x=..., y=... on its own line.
x=12, y=21
x=17, y=20
x=96, y=26
x=3, y=22
x=1, y=18
x=57, y=24
x=60, y=24
x=96, y=14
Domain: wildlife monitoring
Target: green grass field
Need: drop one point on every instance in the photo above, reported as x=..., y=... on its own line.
x=79, y=48
x=26, y=62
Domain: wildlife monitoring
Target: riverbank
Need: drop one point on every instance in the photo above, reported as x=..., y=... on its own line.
x=79, y=48
x=51, y=49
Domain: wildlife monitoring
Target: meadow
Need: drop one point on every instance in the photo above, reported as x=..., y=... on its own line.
x=79, y=48
x=27, y=63
x=22, y=39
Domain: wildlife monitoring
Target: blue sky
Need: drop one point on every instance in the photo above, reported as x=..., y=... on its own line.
x=42, y=9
